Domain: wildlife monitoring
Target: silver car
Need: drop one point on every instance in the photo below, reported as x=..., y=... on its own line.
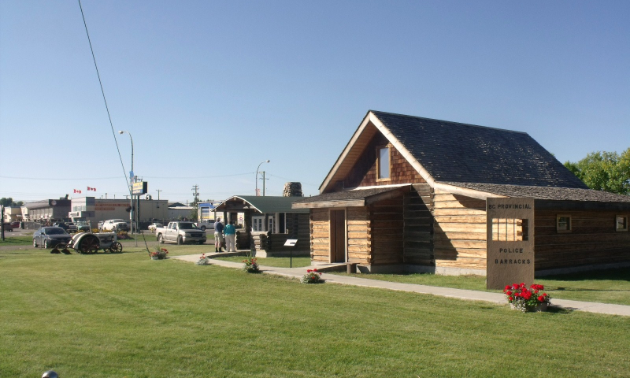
x=49, y=237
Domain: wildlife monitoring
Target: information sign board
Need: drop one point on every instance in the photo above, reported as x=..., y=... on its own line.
x=510, y=241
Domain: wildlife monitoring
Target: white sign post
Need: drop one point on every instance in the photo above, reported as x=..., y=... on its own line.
x=290, y=243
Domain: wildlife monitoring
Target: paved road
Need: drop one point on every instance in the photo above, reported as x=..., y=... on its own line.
x=471, y=295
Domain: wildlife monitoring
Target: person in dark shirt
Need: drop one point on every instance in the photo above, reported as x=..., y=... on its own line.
x=218, y=235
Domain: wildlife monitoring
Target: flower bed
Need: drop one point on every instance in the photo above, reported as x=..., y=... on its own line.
x=159, y=253
x=251, y=265
x=312, y=276
x=203, y=260
x=527, y=299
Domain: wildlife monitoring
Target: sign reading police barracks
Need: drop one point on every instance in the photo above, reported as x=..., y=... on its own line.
x=510, y=235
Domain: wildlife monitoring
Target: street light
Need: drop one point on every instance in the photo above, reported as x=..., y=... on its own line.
x=130, y=178
x=266, y=161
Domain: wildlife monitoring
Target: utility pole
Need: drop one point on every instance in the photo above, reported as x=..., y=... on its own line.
x=2, y=220
x=264, y=180
x=158, y=190
x=195, y=189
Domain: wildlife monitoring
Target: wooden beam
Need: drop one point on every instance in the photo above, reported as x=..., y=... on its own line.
x=329, y=204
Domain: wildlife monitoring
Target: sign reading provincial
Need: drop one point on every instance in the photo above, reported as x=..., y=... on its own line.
x=510, y=235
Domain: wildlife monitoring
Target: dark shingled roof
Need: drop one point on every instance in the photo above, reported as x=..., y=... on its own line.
x=545, y=193
x=267, y=204
x=347, y=195
x=457, y=152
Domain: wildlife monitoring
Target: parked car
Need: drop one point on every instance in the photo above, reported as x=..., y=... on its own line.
x=153, y=226
x=203, y=225
x=180, y=233
x=115, y=225
x=49, y=237
x=15, y=224
x=68, y=226
x=8, y=228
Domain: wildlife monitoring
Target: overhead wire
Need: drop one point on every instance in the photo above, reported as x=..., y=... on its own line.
x=100, y=82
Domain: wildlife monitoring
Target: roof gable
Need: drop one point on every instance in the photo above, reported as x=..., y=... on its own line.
x=443, y=151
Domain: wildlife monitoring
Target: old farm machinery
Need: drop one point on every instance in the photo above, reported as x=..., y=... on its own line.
x=88, y=242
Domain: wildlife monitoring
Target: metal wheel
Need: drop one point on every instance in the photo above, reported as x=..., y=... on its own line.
x=203, y=228
x=179, y=240
x=160, y=239
x=116, y=247
x=89, y=244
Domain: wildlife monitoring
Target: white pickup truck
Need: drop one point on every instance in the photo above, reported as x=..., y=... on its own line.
x=205, y=224
x=180, y=233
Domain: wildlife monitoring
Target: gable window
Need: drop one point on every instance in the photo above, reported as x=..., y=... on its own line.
x=382, y=163
x=622, y=223
x=563, y=223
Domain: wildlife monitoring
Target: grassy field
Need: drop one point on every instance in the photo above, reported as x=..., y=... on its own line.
x=610, y=286
x=124, y=315
x=278, y=262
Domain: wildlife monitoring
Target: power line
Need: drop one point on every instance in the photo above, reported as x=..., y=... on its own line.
x=100, y=82
x=60, y=179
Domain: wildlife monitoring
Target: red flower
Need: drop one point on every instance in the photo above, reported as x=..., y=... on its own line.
x=541, y=298
x=508, y=292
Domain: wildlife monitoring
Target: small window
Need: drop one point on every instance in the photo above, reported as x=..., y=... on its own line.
x=622, y=223
x=257, y=223
x=383, y=163
x=563, y=223
x=504, y=229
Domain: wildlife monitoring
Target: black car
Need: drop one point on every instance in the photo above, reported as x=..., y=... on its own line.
x=49, y=237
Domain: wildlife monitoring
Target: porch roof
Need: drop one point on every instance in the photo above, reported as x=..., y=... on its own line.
x=260, y=204
x=351, y=198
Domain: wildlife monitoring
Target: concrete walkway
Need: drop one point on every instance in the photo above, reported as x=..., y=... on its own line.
x=470, y=295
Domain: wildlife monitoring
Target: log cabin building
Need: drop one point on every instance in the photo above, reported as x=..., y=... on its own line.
x=268, y=221
x=411, y=194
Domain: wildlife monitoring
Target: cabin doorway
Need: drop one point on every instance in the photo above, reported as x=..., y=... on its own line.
x=337, y=236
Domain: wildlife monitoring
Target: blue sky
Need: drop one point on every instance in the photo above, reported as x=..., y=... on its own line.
x=211, y=89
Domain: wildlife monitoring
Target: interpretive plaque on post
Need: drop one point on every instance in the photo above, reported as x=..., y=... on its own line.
x=510, y=241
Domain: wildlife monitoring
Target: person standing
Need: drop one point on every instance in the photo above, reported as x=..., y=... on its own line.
x=218, y=235
x=230, y=237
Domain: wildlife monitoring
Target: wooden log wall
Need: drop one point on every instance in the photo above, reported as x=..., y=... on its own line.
x=459, y=239
x=320, y=235
x=387, y=226
x=359, y=235
x=418, y=226
x=592, y=240
x=298, y=228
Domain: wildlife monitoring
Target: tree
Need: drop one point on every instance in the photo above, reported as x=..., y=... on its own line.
x=603, y=170
x=6, y=201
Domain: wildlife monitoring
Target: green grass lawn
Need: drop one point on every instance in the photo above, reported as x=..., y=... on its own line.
x=124, y=315
x=278, y=262
x=11, y=241
x=610, y=286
